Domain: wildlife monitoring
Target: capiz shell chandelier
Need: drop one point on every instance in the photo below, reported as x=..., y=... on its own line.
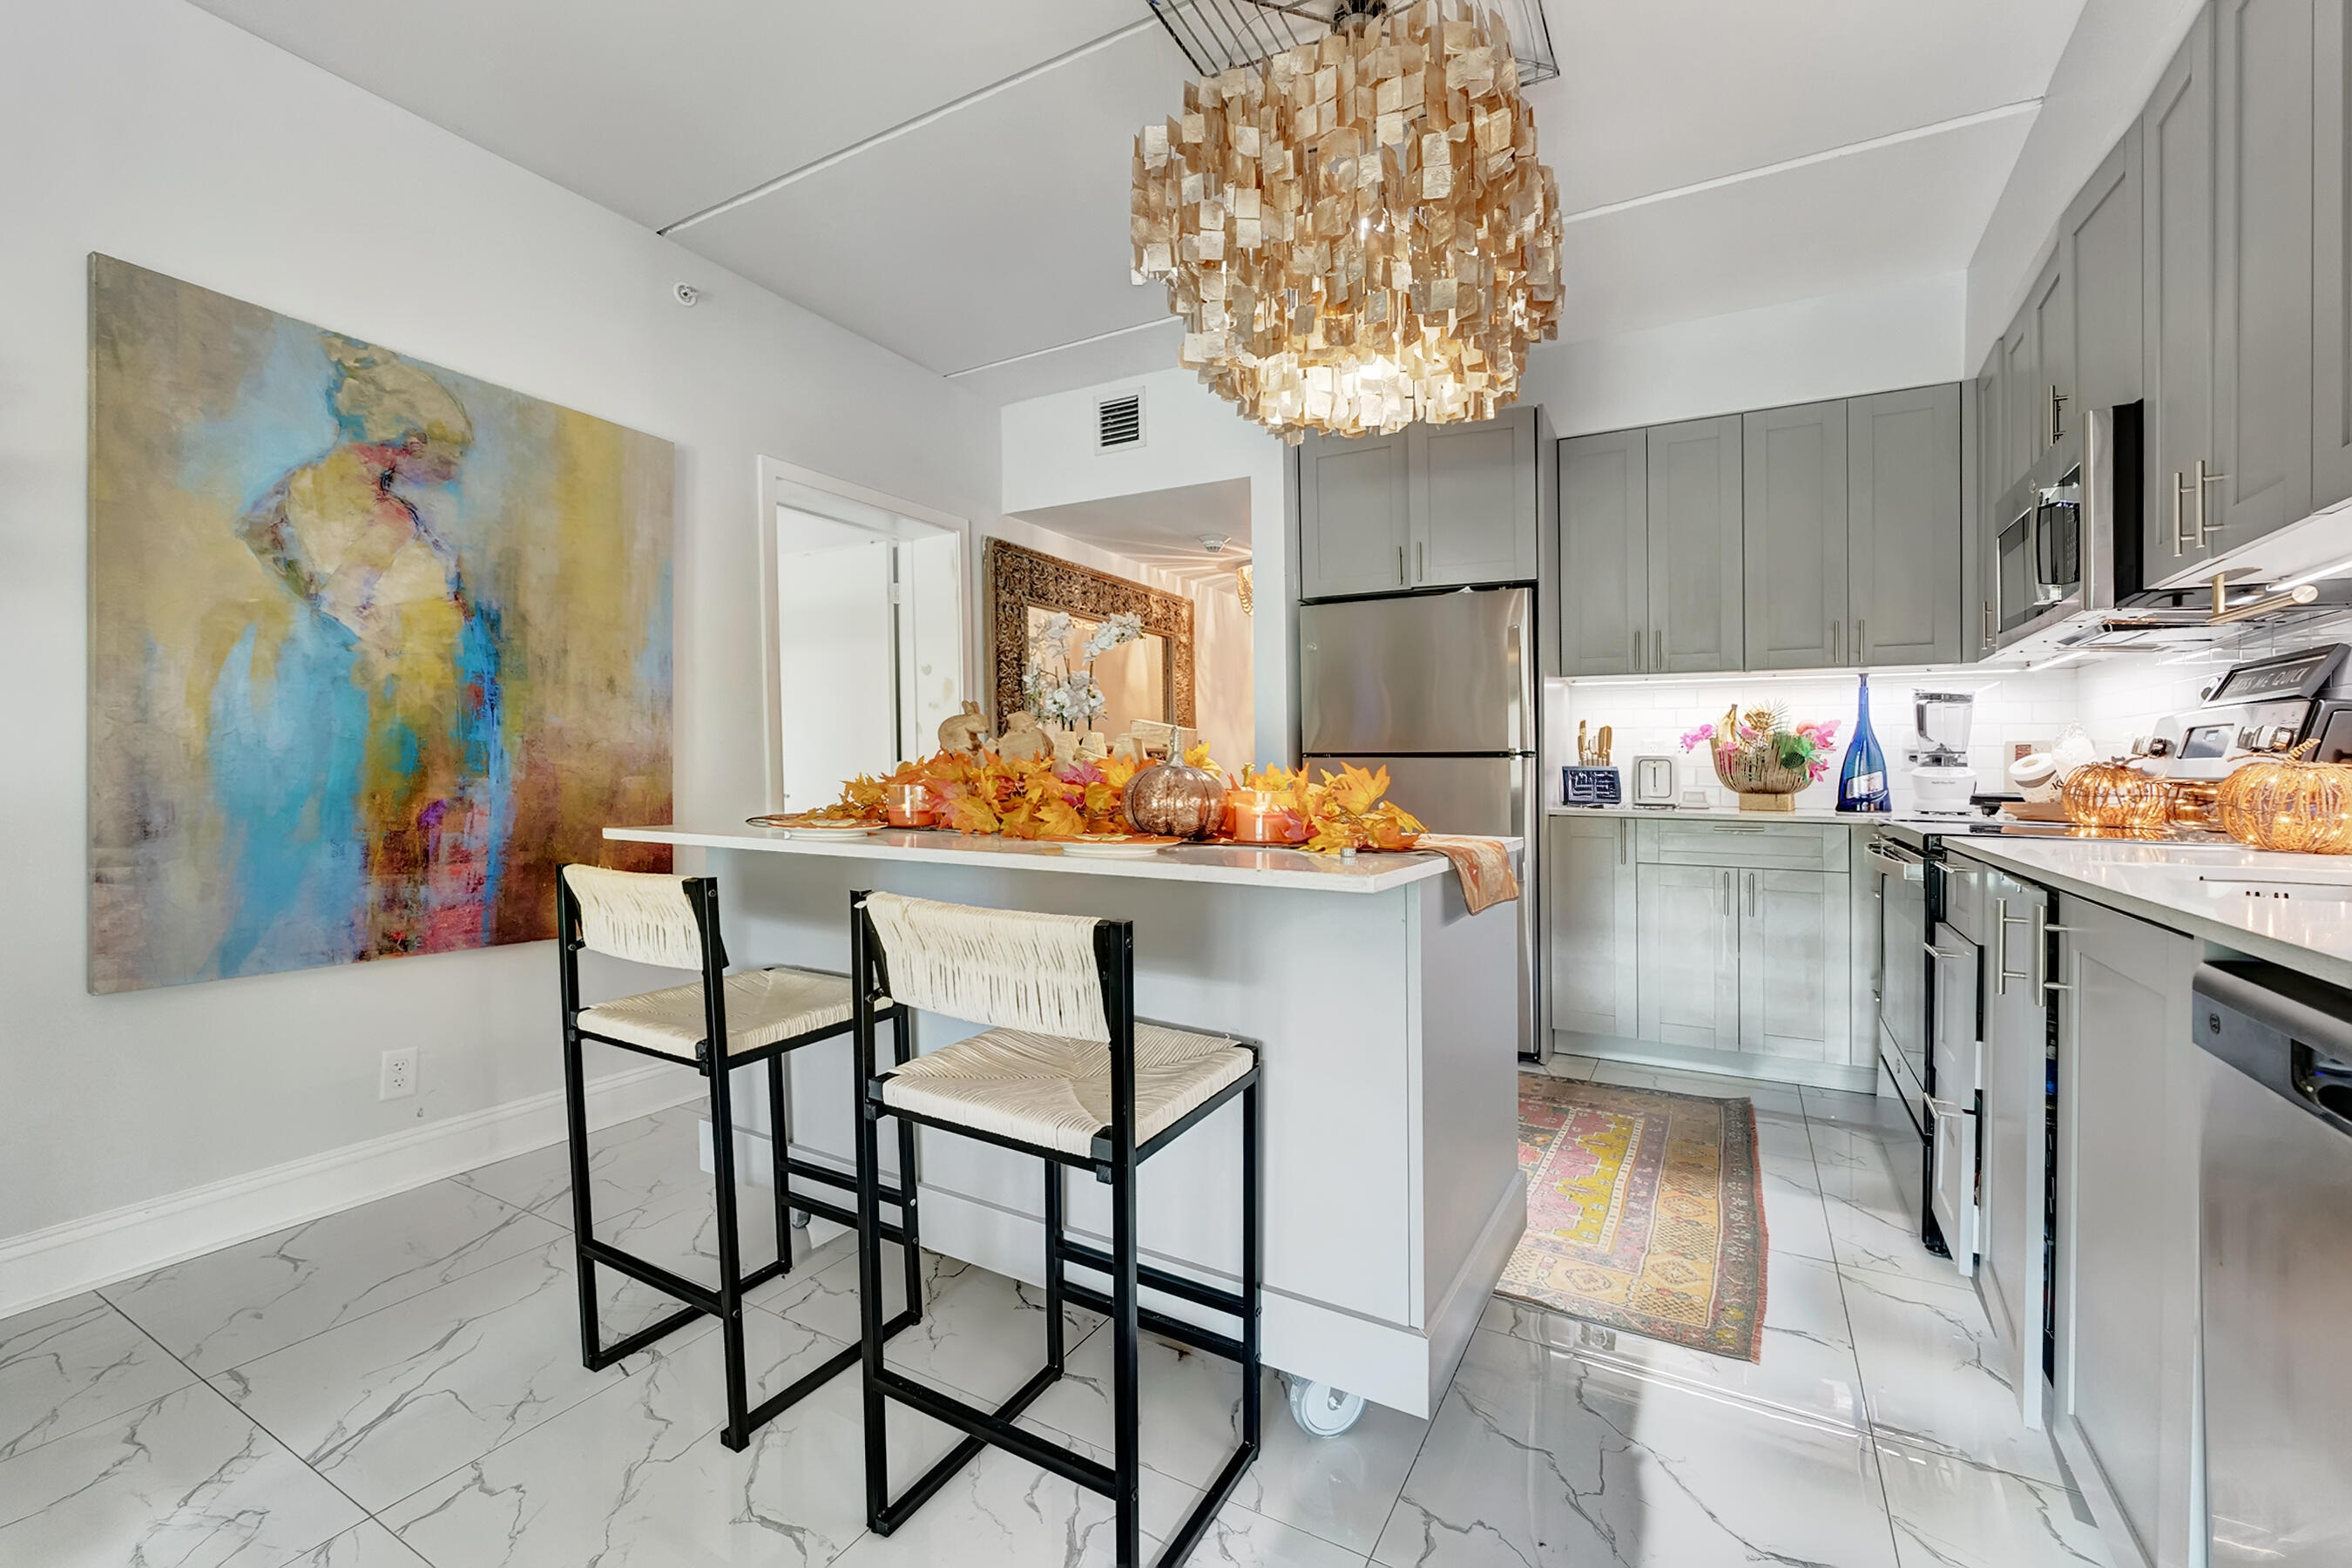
x=1356, y=231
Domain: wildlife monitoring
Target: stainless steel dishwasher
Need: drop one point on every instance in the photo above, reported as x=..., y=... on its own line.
x=2277, y=1171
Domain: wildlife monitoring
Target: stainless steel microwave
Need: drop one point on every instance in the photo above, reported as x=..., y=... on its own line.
x=2066, y=550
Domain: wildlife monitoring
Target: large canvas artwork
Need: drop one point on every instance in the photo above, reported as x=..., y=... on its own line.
x=375, y=646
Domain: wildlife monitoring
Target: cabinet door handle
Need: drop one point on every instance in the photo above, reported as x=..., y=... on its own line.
x=2057, y=421
x=1726, y=892
x=1860, y=641
x=1620, y=841
x=1837, y=630
x=2179, y=536
x=1400, y=564
x=1420, y=560
x=2003, y=974
x=2203, y=527
x=1637, y=650
x=1751, y=893
x=1987, y=618
x=1658, y=664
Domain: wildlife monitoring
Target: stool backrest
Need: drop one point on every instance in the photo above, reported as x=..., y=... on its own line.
x=642, y=916
x=1006, y=968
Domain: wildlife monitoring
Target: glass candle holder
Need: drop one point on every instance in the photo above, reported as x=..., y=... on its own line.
x=910, y=804
x=1257, y=816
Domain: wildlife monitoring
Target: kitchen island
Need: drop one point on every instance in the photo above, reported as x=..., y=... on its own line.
x=1388, y=1018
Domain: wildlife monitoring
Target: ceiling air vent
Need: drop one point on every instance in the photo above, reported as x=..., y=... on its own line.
x=1119, y=422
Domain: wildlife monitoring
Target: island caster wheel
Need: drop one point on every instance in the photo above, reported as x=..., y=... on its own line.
x=800, y=1220
x=1323, y=1411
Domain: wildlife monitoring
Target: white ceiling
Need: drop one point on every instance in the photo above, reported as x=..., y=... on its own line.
x=1163, y=528
x=950, y=180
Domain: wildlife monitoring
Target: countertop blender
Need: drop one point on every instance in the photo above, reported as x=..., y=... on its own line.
x=1941, y=780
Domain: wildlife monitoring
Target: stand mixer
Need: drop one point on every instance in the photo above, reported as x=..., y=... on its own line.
x=1941, y=779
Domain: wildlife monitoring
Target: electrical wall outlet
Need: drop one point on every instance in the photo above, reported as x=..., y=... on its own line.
x=399, y=1076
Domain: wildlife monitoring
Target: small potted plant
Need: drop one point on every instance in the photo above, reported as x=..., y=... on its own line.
x=1764, y=759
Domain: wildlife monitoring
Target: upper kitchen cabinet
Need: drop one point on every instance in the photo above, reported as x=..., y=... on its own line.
x=2177, y=289
x=1990, y=489
x=2050, y=395
x=1903, y=526
x=1794, y=467
x=2331, y=335
x=2100, y=237
x=2020, y=401
x=1604, y=543
x=1696, y=616
x=1427, y=506
x=2260, y=478
x=1473, y=503
x=1352, y=515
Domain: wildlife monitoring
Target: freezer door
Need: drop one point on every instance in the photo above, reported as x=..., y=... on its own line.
x=1494, y=796
x=1432, y=672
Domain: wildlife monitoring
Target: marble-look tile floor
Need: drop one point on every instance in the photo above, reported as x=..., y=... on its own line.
x=399, y=1385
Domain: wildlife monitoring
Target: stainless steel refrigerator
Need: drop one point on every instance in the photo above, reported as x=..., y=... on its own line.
x=1439, y=688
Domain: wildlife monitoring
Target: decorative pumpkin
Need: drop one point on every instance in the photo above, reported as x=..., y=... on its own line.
x=2115, y=796
x=2304, y=808
x=1176, y=799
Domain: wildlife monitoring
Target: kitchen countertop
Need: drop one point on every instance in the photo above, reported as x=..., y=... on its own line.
x=2200, y=890
x=1365, y=873
x=1816, y=816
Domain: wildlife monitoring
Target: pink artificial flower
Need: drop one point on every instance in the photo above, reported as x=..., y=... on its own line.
x=1692, y=739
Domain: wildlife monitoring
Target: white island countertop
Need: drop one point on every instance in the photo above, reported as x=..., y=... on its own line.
x=1366, y=872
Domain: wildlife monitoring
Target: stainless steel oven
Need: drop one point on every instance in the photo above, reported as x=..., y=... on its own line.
x=1902, y=881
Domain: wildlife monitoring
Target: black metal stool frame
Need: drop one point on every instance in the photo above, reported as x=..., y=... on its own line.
x=1114, y=1160
x=726, y=1301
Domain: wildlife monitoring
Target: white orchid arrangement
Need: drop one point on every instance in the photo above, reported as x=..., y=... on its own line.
x=1063, y=692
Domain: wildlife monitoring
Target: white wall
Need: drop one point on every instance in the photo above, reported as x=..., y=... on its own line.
x=1191, y=437
x=2101, y=81
x=152, y=131
x=1872, y=340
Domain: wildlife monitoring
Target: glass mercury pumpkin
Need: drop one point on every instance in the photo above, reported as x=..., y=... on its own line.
x=2302, y=807
x=1176, y=799
x=2116, y=796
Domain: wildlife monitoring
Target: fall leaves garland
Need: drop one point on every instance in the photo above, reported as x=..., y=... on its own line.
x=985, y=793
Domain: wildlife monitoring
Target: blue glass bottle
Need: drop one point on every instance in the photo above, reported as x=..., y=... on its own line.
x=1862, y=783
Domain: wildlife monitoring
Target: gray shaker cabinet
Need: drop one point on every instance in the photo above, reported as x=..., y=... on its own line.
x=1794, y=462
x=2050, y=400
x=2177, y=289
x=2100, y=237
x=2021, y=376
x=1604, y=561
x=1590, y=876
x=1473, y=507
x=2260, y=478
x=1990, y=489
x=2331, y=336
x=1352, y=515
x=1696, y=616
x=1903, y=526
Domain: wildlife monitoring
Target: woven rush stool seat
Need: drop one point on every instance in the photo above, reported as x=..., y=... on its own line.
x=763, y=1005
x=1055, y=1093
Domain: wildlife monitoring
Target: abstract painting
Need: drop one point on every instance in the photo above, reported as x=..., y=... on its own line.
x=375, y=645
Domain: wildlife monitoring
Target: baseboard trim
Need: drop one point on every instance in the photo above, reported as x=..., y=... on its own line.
x=50, y=1265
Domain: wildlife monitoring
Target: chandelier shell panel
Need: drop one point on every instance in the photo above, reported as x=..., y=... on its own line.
x=1357, y=232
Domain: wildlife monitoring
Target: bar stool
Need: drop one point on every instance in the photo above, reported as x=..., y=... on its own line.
x=762, y=1014
x=1066, y=1071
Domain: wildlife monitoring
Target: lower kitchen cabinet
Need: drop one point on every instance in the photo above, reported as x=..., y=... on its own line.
x=1795, y=966
x=1589, y=883
x=1687, y=957
x=2127, y=1225
x=1716, y=946
x=2013, y=1272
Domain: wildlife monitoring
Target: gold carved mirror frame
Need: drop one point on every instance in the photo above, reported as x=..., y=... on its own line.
x=1020, y=579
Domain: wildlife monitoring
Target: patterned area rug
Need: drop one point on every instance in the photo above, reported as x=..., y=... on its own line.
x=1645, y=1211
